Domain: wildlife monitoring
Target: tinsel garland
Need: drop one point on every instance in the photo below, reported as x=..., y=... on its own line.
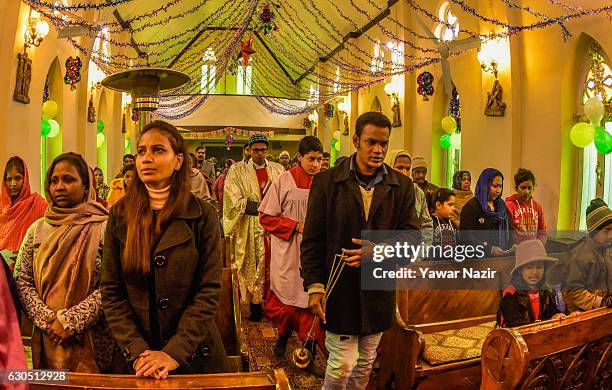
x=301, y=44
x=57, y=6
x=114, y=26
x=454, y=109
x=228, y=131
x=231, y=48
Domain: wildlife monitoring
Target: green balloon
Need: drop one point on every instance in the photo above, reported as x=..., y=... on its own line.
x=445, y=141
x=45, y=127
x=100, y=125
x=603, y=141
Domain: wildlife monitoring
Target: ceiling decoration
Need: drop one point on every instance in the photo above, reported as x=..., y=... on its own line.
x=296, y=44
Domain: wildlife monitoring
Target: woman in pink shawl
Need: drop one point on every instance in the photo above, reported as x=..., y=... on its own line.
x=12, y=356
x=19, y=207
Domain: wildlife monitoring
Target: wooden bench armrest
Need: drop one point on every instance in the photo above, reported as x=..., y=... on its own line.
x=282, y=382
x=514, y=357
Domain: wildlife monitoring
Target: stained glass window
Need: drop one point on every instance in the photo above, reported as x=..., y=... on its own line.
x=378, y=59
x=244, y=78
x=209, y=72
x=449, y=30
x=596, y=168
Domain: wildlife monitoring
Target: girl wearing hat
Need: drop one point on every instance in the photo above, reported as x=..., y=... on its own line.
x=528, y=298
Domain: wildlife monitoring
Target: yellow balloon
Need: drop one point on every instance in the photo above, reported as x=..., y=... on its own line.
x=582, y=134
x=49, y=109
x=449, y=124
x=128, y=133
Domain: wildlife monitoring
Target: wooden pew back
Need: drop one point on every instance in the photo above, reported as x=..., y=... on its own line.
x=430, y=304
x=558, y=354
x=250, y=380
x=229, y=322
x=423, y=311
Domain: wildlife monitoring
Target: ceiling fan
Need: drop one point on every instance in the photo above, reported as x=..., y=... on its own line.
x=446, y=48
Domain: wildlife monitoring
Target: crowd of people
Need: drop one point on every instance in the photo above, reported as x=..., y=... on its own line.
x=125, y=277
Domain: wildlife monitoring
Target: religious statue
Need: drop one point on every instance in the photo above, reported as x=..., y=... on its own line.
x=24, y=76
x=346, y=125
x=495, y=106
x=397, y=122
x=91, y=111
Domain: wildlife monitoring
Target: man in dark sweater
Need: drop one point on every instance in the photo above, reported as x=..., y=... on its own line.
x=359, y=194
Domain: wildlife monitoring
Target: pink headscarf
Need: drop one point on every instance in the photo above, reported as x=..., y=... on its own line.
x=16, y=218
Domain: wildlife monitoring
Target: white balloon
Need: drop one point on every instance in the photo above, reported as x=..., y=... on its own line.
x=594, y=110
x=455, y=141
x=337, y=134
x=55, y=128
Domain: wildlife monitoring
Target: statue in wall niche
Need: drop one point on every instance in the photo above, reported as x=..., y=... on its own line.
x=397, y=122
x=91, y=111
x=495, y=106
x=346, y=125
x=24, y=76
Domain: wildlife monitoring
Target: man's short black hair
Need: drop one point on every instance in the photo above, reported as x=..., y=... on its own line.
x=326, y=155
x=128, y=155
x=523, y=175
x=200, y=147
x=375, y=118
x=310, y=144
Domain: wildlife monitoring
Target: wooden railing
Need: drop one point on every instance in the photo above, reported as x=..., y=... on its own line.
x=249, y=380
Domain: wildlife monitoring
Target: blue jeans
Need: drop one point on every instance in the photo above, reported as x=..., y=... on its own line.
x=350, y=360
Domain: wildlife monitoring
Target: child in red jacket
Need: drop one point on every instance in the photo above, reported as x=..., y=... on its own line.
x=528, y=299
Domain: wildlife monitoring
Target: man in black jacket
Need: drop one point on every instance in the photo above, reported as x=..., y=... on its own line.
x=359, y=194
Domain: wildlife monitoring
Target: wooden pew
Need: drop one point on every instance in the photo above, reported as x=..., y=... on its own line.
x=574, y=353
x=250, y=380
x=427, y=311
x=556, y=354
x=228, y=320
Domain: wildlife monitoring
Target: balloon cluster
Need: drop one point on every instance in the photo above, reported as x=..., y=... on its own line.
x=100, y=138
x=335, y=142
x=450, y=138
x=582, y=134
x=48, y=126
x=228, y=141
x=425, y=81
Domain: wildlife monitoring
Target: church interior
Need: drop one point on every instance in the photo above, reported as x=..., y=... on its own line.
x=523, y=86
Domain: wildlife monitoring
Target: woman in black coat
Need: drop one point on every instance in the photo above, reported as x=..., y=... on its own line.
x=484, y=218
x=161, y=274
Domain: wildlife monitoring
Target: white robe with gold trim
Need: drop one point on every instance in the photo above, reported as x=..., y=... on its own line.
x=241, y=185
